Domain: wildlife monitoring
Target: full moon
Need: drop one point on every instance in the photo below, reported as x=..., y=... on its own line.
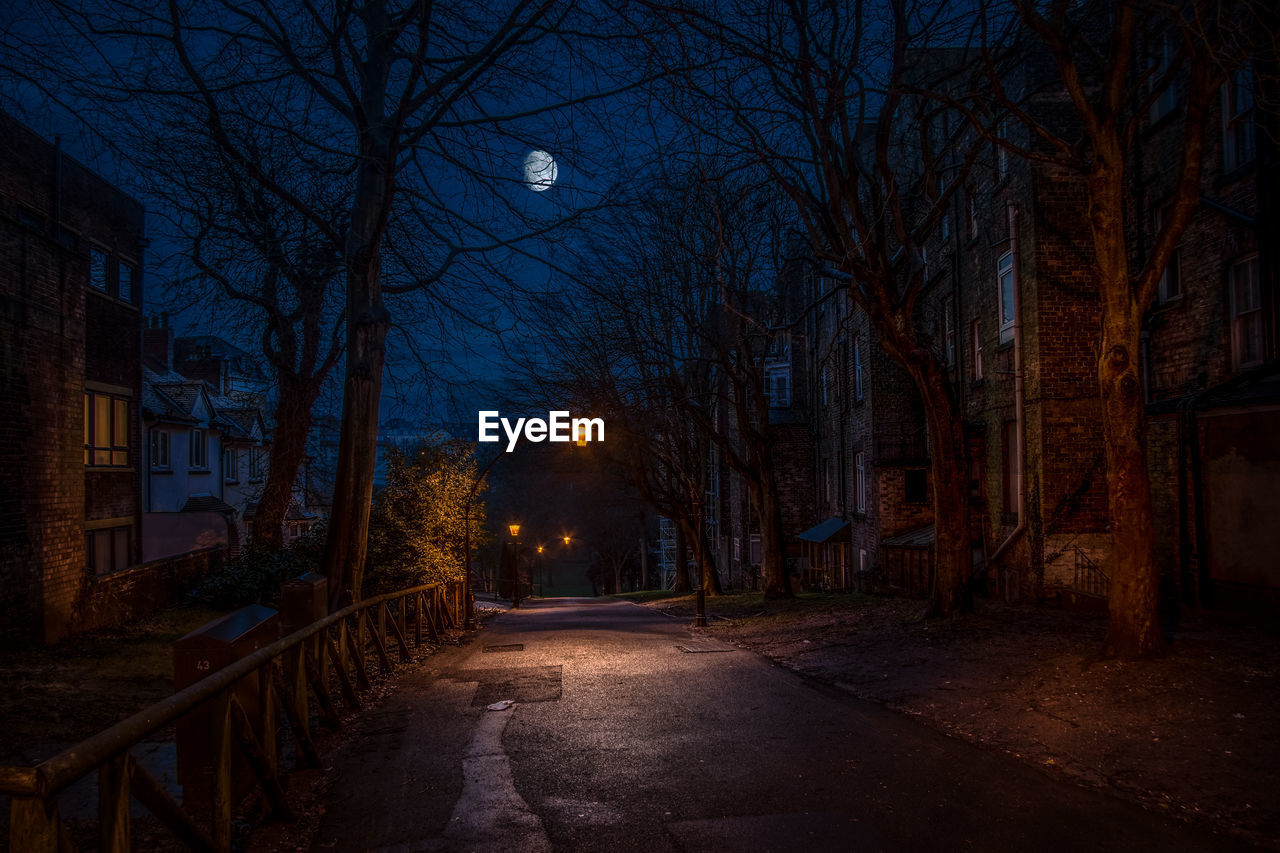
x=540, y=171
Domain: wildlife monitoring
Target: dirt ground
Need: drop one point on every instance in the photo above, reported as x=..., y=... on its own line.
x=66, y=692
x=1195, y=733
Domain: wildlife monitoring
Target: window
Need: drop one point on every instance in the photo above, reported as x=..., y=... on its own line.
x=948, y=332
x=1246, y=313
x=230, y=465
x=823, y=371
x=975, y=343
x=857, y=368
x=108, y=549
x=1171, y=279
x=106, y=430
x=1168, y=97
x=160, y=450
x=98, y=270
x=1238, y=143
x=197, y=451
x=1005, y=275
x=972, y=197
x=1012, y=466
x=944, y=226
x=860, y=480
x=126, y=282
x=915, y=486
x=778, y=387
x=255, y=464
x=1002, y=153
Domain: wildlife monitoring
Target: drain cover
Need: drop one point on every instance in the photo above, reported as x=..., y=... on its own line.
x=510, y=647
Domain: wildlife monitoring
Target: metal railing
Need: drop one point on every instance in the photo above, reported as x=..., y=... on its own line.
x=1088, y=577
x=288, y=673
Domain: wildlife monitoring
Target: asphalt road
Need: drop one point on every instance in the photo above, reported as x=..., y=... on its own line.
x=631, y=733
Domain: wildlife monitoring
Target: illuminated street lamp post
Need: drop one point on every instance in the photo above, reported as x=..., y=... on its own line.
x=514, y=529
x=539, y=570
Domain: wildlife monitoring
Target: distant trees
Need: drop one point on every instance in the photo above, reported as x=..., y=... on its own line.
x=668, y=345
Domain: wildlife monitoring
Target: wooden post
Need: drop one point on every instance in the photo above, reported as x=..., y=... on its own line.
x=267, y=709
x=34, y=825
x=403, y=607
x=357, y=652
x=223, y=798
x=417, y=618
x=306, y=749
x=262, y=766
x=113, y=804
x=344, y=679
x=299, y=697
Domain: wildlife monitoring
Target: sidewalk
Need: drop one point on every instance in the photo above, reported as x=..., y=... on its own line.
x=1196, y=733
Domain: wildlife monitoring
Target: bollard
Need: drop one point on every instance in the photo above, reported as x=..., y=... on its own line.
x=700, y=620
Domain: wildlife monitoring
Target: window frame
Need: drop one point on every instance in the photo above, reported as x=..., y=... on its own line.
x=115, y=535
x=975, y=345
x=1006, y=273
x=116, y=446
x=99, y=269
x=198, y=438
x=1250, y=316
x=1239, y=134
x=858, y=379
x=230, y=464
x=160, y=450
x=860, y=476
x=1172, y=270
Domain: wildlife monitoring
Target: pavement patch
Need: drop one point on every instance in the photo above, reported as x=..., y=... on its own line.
x=509, y=647
x=522, y=684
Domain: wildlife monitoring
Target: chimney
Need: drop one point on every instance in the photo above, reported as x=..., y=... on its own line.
x=157, y=340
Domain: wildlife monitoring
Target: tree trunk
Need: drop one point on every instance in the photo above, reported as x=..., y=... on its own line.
x=949, y=590
x=777, y=580
x=710, y=577
x=367, y=318
x=682, y=564
x=288, y=447
x=1133, y=629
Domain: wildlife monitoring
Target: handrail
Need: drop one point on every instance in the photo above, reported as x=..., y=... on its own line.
x=47, y=779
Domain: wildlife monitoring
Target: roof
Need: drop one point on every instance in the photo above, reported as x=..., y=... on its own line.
x=823, y=532
x=206, y=503
x=921, y=537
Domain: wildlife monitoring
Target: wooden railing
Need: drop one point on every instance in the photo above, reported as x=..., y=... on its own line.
x=288, y=673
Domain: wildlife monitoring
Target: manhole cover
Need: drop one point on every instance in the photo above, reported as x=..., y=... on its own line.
x=510, y=647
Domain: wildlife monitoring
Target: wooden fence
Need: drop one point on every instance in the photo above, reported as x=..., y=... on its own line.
x=290, y=673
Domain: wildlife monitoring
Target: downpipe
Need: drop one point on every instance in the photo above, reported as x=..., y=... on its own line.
x=1019, y=402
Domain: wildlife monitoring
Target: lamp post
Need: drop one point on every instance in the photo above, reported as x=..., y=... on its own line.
x=700, y=617
x=514, y=530
x=539, y=571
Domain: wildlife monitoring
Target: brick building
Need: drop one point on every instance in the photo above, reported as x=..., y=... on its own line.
x=70, y=320
x=1210, y=355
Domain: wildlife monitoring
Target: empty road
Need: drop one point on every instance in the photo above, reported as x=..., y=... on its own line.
x=629, y=732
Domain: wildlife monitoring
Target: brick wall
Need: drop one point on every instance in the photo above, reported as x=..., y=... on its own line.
x=114, y=599
x=56, y=334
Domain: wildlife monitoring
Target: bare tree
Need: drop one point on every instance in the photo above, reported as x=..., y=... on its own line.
x=412, y=105
x=819, y=96
x=1114, y=61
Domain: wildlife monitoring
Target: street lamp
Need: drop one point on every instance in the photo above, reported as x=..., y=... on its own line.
x=540, y=572
x=514, y=529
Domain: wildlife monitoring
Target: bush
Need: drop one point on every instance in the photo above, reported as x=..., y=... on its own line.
x=254, y=577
